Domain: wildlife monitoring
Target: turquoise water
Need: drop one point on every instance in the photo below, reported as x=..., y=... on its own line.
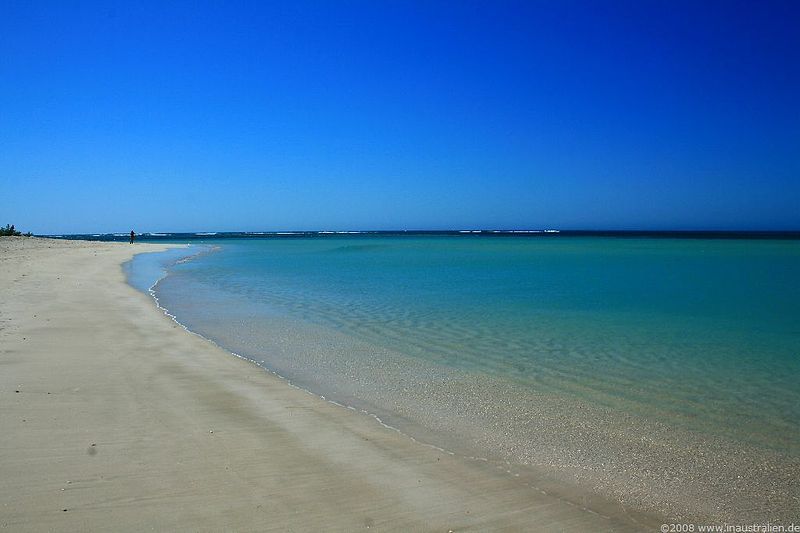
x=698, y=334
x=146, y=270
x=660, y=374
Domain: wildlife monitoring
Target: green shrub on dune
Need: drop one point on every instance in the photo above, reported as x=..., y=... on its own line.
x=11, y=231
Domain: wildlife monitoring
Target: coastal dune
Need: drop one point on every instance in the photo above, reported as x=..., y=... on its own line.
x=115, y=417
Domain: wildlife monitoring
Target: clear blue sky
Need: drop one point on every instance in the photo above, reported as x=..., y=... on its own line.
x=388, y=115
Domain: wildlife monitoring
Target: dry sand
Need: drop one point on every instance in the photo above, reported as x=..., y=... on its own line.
x=115, y=418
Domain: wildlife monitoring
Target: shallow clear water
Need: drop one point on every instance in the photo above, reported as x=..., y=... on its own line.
x=147, y=269
x=699, y=334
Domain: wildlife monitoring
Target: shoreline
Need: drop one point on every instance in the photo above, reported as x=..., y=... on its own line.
x=538, y=480
x=122, y=418
x=569, y=447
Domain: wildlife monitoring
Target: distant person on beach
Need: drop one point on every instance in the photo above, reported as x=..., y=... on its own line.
x=133, y=236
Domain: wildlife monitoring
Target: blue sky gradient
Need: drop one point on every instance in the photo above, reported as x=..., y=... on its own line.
x=399, y=115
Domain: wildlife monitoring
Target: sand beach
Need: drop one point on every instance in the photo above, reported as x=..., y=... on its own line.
x=115, y=417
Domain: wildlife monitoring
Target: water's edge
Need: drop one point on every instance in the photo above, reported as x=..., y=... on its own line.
x=644, y=470
x=533, y=478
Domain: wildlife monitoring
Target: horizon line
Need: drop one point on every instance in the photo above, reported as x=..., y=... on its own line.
x=520, y=231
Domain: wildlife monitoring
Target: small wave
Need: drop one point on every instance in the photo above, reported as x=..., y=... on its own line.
x=357, y=248
x=206, y=234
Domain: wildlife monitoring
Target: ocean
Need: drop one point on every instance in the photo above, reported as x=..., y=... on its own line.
x=662, y=372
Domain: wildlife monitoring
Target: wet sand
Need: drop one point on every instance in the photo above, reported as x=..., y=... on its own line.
x=114, y=417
